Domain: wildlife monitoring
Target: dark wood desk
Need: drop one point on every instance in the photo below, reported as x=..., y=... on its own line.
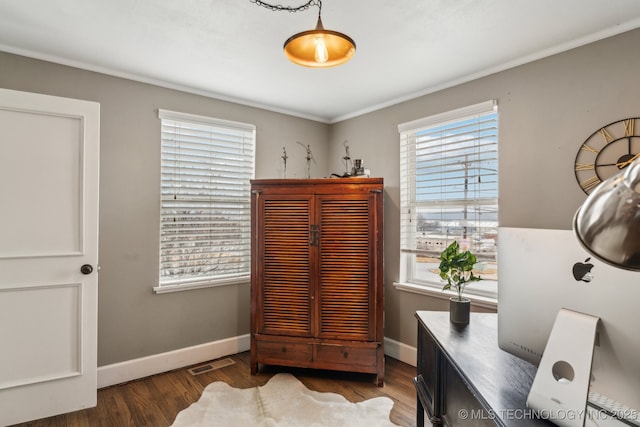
x=464, y=379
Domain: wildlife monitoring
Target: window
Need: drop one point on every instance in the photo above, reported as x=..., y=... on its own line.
x=205, y=213
x=449, y=191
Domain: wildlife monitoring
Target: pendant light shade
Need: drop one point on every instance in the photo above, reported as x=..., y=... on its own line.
x=319, y=48
x=608, y=222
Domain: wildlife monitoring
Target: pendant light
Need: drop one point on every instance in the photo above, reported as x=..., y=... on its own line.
x=317, y=48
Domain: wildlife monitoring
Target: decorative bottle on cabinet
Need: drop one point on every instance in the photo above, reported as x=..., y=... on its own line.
x=317, y=274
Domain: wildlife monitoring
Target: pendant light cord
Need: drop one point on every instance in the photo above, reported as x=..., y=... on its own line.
x=279, y=7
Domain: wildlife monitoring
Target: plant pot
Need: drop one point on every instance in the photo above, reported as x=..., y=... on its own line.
x=459, y=310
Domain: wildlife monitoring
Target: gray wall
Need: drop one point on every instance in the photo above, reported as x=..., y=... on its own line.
x=547, y=108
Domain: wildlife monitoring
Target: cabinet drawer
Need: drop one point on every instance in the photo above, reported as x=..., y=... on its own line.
x=282, y=352
x=346, y=354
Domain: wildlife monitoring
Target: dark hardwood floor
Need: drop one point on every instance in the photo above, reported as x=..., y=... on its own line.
x=156, y=400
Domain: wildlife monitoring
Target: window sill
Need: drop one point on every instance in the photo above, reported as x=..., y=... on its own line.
x=165, y=289
x=477, y=300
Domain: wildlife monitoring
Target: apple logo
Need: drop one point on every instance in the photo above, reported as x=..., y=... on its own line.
x=582, y=271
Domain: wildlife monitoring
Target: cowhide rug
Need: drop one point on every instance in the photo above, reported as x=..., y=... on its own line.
x=283, y=401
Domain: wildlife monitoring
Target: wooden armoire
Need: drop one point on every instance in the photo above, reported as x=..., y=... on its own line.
x=317, y=274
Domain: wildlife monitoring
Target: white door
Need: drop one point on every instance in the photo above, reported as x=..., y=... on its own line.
x=49, y=170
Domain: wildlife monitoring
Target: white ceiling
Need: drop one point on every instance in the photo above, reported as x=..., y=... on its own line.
x=232, y=49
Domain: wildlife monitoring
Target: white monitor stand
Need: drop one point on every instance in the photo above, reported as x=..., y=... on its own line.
x=560, y=388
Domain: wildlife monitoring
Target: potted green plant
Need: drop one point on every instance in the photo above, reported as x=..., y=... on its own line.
x=457, y=269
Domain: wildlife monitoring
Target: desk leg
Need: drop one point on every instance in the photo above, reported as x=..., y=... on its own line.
x=419, y=414
x=422, y=402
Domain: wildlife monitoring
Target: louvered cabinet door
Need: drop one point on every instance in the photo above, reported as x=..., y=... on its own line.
x=345, y=291
x=284, y=251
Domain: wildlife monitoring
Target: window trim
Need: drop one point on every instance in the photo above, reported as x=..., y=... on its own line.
x=432, y=291
x=165, y=289
x=427, y=286
x=239, y=279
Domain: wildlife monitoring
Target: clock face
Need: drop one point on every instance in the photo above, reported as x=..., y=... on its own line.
x=606, y=152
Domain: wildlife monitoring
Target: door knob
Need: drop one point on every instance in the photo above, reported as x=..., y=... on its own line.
x=86, y=269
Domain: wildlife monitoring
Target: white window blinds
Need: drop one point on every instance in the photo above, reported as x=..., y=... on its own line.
x=205, y=214
x=449, y=183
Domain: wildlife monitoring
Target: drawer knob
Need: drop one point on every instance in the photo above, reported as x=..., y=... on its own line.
x=284, y=349
x=346, y=354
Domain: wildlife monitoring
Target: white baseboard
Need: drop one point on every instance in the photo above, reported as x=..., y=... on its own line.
x=130, y=370
x=401, y=351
